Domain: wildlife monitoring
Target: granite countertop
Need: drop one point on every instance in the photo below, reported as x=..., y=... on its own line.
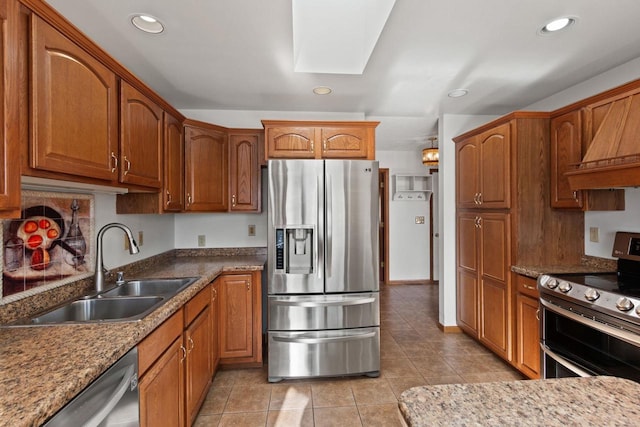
x=43, y=367
x=554, y=402
x=588, y=265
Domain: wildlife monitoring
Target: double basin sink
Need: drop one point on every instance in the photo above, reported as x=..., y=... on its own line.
x=129, y=301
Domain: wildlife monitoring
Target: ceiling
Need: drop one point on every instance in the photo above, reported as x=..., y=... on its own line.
x=238, y=55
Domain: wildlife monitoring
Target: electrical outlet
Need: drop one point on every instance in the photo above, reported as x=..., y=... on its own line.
x=202, y=240
x=140, y=241
x=252, y=230
x=593, y=234
x=419, y=220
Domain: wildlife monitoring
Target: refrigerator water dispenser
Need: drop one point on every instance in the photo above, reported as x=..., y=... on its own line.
x=294, y=250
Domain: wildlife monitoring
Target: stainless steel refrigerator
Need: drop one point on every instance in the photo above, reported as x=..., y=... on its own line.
x=323, y=291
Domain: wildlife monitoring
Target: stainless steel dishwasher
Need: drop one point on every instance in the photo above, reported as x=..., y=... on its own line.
x=111, y=400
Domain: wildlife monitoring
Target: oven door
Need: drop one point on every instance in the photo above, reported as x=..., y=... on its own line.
x=576, y=345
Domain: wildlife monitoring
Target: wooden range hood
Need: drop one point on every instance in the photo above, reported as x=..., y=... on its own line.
x=612, y=159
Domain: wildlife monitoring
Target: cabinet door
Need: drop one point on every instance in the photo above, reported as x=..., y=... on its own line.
x=198, y=363
x=468, y=175
x=161, y=390
x=74, y=114
x=494, y=167
x=344, y=143
x=244, y=173
x=141, y=134
x=291, y=142
x=173, y=195
x=215, y=327
x=9, y=122
x=566, y=150
x=236, y=316
x=206, y=169
x=467, y=274
x=495, y=312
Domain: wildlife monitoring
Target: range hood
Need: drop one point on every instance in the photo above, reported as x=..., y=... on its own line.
x=612, y=160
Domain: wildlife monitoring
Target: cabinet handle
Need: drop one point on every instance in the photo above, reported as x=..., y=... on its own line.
x=168, y=198
x=575, y=195
x=184, y=353
x=532, y=288
x=191, y=344
x=188, y=199
x=248, y=285
x=312, y=145
x=475, y=198
x=115, y=162
x=479, y=198
x=127, y=165
x=233, y=200
x=538, y=314
x=324, y=145
x=215, y=294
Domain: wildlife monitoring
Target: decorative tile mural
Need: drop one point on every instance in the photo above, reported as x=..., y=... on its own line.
x=51, y=244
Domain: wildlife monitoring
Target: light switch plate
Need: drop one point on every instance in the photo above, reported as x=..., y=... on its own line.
x=202, y=240
x=252, y=230
x=594, y=234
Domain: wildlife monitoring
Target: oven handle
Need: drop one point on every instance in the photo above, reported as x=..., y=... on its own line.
x=564, y=362
x=602, y=327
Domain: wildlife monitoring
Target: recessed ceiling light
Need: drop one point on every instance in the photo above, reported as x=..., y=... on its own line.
x=322, y=90
x=147, y=23
x=557, y=25
x=457, y=93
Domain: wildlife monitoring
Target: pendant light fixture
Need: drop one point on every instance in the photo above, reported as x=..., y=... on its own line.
x=430, y=155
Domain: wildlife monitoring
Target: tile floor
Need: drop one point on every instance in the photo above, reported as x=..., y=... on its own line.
x=413, y=352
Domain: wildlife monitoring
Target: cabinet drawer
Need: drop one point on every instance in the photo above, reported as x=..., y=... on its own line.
x=528, y=286
x=196, y=305
x=158, y=341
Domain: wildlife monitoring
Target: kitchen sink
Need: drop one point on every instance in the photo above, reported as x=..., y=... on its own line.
x=150, y=287
x=100, y=309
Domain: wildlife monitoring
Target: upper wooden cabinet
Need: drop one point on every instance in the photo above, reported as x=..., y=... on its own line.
x=244, y=171
x=319, y=140
x=9, y=122
x=206, y=166
x=483, y=165
x=173, y=194
x=568, y=143
x=141, y=133
x=74, y=114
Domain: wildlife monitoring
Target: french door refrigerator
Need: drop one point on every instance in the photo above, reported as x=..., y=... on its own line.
x=323, y=291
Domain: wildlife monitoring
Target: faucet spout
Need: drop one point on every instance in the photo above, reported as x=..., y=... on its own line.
x=100, y=270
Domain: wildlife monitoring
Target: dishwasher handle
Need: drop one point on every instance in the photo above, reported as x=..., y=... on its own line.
x=129, y=379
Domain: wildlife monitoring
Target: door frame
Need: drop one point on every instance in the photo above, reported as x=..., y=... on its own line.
x=432, y=232
x=383, y=187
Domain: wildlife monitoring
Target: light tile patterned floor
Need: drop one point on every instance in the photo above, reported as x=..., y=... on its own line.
x=414, y=352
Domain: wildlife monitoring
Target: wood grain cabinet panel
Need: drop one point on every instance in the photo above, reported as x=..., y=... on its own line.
x=215, y=327
x=344, y=143
x=290, y=142
x=141, y=137
x=467, y=179
x=9, y=118
x=173, y=194
x=198, y=362
x=244, y=172
x=74, y=114
x=527, y=327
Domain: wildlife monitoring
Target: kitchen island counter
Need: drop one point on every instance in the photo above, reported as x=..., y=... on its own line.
x=553, y=402
x=44, y=367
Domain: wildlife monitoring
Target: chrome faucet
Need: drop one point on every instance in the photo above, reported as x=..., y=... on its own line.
x=100, y=270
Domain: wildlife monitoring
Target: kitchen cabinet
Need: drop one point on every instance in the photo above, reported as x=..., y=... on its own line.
x=215, y=328
x=240, y=319
x=567, y=149
x=206, y=167
x=319, y=140
x=173, y=194
x=175, y=365
x=74, y=114
x=527, y=327
x=483, y=165
x=9, y=118
x=141, y=135
x=504, y=217
x=244, y=171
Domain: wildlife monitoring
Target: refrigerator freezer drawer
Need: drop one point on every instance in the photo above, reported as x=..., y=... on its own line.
x=313, y=312
x=324, y=353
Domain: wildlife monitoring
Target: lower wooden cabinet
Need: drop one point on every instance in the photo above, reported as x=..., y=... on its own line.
x=240, y=319
x=527, y=327
x=197, y=339
x=215, y=329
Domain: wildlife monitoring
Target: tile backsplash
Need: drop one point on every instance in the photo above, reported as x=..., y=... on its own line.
x=50, y=245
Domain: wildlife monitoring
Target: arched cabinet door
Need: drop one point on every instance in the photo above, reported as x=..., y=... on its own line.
x=291, y=142
x=244, y=172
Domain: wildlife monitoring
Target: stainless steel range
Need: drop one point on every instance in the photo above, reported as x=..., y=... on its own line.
x=590, y=323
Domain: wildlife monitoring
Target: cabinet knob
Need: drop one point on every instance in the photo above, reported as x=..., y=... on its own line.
x=127, y=165
x=168, y=198
x=233, y=200
x=114, y=162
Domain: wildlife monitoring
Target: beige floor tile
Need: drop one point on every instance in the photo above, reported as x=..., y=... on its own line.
x=246, y=419
x=450, y=379
x=373, y=392
x=432, y=366
x=337, y=417
x=290, y=418
x=387, y=415
x=398, y=385
x=207, y=420
x=251, y=377
x=397, y=368
x=225, y=378
x=249, y=399
x=290, y=396
x=485, y=377
x=332, y=394
x=216, y=401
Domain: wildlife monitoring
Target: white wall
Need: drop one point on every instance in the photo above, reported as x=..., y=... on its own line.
x=408, y=241
x=450, y=126
x=252, y=119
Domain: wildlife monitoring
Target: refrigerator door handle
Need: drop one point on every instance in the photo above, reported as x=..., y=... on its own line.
x=303, y=340
x=319, y=240
x=359, y=301
x=329, y=226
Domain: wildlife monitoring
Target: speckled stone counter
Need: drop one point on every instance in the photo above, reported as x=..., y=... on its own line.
x=594, y=401
x=589, y=265
x=43, y=367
